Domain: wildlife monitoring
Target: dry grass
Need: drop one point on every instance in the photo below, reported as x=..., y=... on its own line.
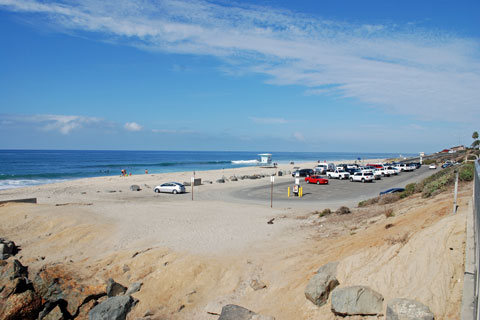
x=402, y=239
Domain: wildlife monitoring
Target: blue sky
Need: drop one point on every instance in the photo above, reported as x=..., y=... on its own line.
x=365, y=76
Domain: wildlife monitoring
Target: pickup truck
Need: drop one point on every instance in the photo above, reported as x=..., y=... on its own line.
x=339, y=173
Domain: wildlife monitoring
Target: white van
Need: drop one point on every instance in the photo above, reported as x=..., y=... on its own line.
x=322, y=168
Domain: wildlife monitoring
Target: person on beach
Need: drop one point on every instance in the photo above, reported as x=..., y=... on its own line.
x=146, y=171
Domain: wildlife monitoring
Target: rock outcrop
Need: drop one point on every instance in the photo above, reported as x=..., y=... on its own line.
x=322, y=283
x=59, y=287
x=7, y=249
x=17, y=295
x=356, y=300
x=406, y=309
x=114, y=308
x=234, y=312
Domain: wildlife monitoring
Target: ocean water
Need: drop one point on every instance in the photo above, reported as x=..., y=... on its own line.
x=20, y=168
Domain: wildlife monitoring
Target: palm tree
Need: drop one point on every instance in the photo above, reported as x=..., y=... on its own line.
x=476, y=142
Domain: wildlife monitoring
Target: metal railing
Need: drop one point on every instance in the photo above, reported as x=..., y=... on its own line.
x=471, y=280
x=476, y=215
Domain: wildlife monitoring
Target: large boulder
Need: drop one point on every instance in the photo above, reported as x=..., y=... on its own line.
x=58, y=286
x=356, y=300
x=234, y=312
x=114, y=308
x=322, y=283
x=406, y=309
x=18, y=299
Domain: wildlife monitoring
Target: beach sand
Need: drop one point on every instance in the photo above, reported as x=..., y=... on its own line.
x=193, y=257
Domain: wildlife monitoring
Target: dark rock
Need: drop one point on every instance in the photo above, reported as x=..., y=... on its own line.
x=234, y=312
x=356, y=300
x=115, y=288
x=233, y=178
x=7, y=249
x=135, y=187
x=406, y=309
x=280, y=173
x=322, y=283
x=126, y=268
x=343, y=210
x=207, y=182
x=220, y=180
x=114, y=308
x=134, y=287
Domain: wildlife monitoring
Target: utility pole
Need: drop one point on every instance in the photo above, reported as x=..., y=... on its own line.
x=272, y=179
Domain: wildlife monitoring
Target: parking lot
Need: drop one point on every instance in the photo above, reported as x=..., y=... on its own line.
x=336, y=192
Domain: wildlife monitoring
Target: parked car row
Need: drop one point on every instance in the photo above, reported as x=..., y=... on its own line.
x=353, y=172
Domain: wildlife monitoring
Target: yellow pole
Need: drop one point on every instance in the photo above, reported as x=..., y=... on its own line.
x=301, y=192
x=289, y=192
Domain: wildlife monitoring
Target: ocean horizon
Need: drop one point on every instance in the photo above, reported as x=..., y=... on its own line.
x=21, y=168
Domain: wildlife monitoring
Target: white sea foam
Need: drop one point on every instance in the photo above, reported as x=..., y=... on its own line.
x=21, y=183
x=245, y=161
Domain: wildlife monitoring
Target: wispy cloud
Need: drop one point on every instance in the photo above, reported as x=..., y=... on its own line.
x=298, y=136
x=401, y=69
x=132, y=126
x=170, y=131
x=51, y=122
x=269, y=120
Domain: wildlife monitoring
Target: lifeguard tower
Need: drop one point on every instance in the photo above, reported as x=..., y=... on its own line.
x=265, y=160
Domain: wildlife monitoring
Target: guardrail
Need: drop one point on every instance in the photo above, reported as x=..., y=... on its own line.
x=471, y=280
x=476, y=215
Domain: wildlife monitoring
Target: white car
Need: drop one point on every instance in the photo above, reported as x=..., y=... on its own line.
x=392, y=170
x=432, y=166
x=362, y=176
x=170, y=187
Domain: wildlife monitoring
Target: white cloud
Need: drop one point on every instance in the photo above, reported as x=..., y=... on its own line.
x=51, y=122
x=132, y=126
x=402, y=70
x=298, y=136
x=269, y=120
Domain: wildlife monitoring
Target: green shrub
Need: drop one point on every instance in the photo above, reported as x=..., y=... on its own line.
x=438, y=185
x=466, y=172
x=409, y=190
x=428, y=162
x=325, y=212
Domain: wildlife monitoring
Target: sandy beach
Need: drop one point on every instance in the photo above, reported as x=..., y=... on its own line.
x=193, y=257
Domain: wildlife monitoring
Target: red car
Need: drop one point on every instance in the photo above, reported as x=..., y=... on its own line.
x=316, y=179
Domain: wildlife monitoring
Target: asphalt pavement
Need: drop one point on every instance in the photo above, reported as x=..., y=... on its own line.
x=336, y=192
